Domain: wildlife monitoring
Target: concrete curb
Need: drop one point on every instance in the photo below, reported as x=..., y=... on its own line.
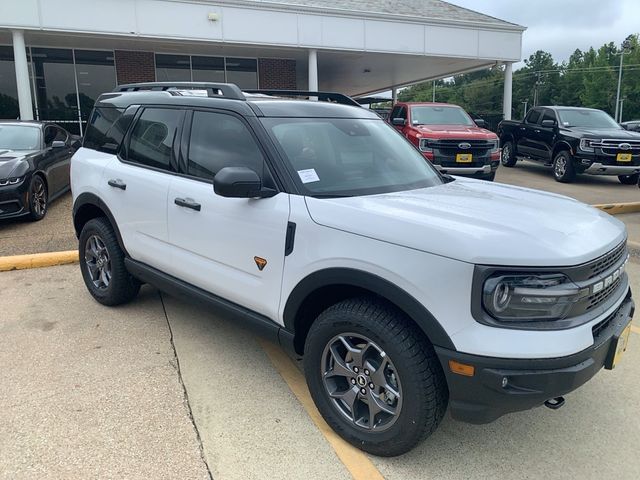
x=37, y=260
x=617, y=208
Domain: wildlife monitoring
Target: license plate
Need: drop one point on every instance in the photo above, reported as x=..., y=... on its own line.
x=623, y=157
x=621, y=345
x=464, y=158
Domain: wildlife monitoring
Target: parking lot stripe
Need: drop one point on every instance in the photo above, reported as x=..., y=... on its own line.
x=617, y=208
x=635, y=329
x=359, y=465
x=37, y=260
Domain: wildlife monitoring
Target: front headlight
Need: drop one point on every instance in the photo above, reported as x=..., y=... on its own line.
x=586, y=145
x=11, y=181
x=494, y=146
x=424, y=145
x=523, y=298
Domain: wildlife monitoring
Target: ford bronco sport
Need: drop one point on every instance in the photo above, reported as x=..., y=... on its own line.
x=324, y=229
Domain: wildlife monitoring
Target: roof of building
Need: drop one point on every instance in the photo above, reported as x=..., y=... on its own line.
x=415, y=10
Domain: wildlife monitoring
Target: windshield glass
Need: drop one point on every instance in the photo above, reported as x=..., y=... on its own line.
x=439, y=115
x=586, y=119
x=349, y=157
x=19, y=137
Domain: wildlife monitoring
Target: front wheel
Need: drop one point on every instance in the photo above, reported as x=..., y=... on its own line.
x=508, y=155
x=38, y=198
x=563, y=169
x=102, y=264
x=629, y=179
x=374, y=376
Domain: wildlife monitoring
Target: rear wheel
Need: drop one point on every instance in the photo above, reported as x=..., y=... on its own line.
x=374, y=376
x=38, y=198
x=102, y=264
x=508, y=155
x=629, y=179
x=563, y=169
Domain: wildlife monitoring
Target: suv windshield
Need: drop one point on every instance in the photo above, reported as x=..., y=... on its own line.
x=437, y=115
x=586, y=119
x=19, y=137
x=349, y=157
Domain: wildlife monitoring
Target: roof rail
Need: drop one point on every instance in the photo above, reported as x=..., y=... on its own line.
x=321, y=96
x=227, y=90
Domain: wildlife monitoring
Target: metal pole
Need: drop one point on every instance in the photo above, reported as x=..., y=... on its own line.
x=508, y=91
x=524, y=113
x=394, y=95
x=617, y=119
x=433, y=97
x=313, y=73
x=621, y=105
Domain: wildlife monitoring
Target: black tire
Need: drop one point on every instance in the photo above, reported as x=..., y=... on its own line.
x=508, y=154
x=629, y=179
x=420, y=379
x=38, y=198
x=121, y=286
x=563, y=168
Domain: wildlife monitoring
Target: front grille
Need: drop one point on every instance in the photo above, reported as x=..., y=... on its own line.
x=603, y=295
x=603, y=263
x=613, y=147
x=449, y=148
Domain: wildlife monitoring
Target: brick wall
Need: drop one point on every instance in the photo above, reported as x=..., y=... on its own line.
x=132, y=67
x=277, y=73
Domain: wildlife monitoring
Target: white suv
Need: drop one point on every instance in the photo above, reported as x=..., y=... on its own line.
x=319, y=225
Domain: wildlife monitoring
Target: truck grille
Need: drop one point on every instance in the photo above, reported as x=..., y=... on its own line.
x=449, y=148
x=603, y=295
x=607, y=260
x=613, y=147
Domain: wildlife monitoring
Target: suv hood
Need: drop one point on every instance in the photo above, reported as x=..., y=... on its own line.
x=478, y=222
x=456, y=132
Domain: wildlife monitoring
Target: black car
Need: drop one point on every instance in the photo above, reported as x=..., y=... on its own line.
x=34, y=166
x=572, y=140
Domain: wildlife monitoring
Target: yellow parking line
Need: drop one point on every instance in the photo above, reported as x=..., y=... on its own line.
x=356, y=461
x=617, y=208
x=37, y=260
x=635, y=329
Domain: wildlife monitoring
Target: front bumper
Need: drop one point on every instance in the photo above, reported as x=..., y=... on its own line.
x=482, y=398
x=483, y=170
x=598, y=168
x=14, y=200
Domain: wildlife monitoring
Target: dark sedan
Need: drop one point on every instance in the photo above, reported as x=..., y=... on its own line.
x=34, y=166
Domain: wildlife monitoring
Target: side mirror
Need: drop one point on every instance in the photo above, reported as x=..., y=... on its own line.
x=240, y=182
x=399, y=122
x=480, y=122
x=548, y=123
x=58, y=144
x=625, y=126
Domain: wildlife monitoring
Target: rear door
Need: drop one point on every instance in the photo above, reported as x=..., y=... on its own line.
x=135, y=184
x=219, y=243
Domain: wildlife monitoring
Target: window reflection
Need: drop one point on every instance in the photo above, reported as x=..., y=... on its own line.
x=96, y=75
x=173, y=68
x=8, y=89
x=55, y=84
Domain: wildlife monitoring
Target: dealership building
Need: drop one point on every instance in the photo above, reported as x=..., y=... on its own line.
x=56, y=57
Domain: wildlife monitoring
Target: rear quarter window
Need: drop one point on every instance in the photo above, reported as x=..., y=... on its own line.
x=106, y=129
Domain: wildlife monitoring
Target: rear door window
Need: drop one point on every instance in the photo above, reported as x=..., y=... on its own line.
x=533, y=116
x=153, y=137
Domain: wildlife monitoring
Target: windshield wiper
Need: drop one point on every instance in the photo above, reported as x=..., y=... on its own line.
x=328, y=195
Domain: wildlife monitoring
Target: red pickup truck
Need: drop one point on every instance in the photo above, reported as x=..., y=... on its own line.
x=449, y=138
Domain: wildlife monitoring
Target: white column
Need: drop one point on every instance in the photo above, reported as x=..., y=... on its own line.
x=22, y=75
x=313, y=72
x=394, y=95
x=508, y=87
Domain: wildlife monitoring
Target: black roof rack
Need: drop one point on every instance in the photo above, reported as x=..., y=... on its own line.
x=372, y=100
x=227, y=90
x=321, y=96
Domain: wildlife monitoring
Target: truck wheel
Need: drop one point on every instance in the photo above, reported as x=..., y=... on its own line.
x=629, y=179
x=102, y=264
x=508, y=156
x=563, y=169
x=374, y=376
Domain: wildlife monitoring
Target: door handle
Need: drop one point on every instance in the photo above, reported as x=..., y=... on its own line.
x=537, y=131
x=187, y=203
x=117, y=184
x=522, y=128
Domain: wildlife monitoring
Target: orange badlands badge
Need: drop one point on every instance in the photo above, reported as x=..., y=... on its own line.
x=260, y=262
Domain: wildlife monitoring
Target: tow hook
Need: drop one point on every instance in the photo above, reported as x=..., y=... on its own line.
x=554, y=403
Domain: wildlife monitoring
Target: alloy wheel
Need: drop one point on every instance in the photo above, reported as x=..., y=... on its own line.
x=506, y=153
x=39, y=197
x=362, y=382
x=98, y=262
x=560, y=167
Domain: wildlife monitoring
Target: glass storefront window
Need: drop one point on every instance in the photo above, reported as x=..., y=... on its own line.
x=96, y=74
x=173, y=68
x=55, y=85
x=207, y=69
x=243, y=72
x=8, y=90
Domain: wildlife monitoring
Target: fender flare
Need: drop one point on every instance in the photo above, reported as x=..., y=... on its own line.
x=561, y=145
x=373, y=283
x=92, y=199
